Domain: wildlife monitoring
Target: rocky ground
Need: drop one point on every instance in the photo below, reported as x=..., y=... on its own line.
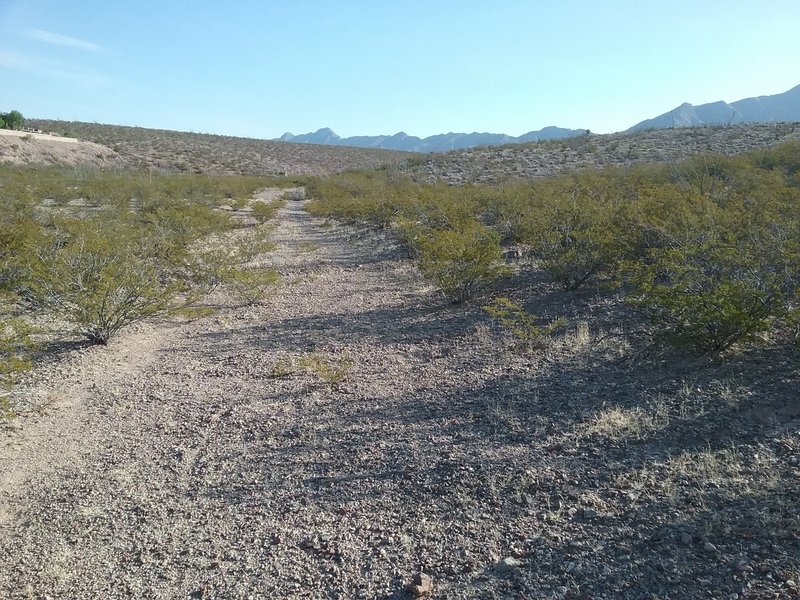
x=356, y=431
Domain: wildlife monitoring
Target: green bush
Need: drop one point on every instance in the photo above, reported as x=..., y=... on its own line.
x=266, y=211
x=250, y=285
x=710, y=295
x=461, y=262
x=12, y=120
x=16, y=348
x=101, y=277
x=576, y=236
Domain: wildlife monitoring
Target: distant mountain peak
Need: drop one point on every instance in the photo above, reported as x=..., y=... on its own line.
x=762, y=109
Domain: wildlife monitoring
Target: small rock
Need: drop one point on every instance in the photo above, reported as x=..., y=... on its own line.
x=421, y=585
x=740, y=565
x=790, y=583
x=507, y=564
x=571, y=566
x=709, y=547
x=686, y=539
x=589, y=513
x=705, y=582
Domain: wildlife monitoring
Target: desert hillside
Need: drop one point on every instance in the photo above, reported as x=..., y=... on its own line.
x=546, y=159
x=24, y=148
x=183, y=152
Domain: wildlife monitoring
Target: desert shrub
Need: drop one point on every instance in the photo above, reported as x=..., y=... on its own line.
x=521, y=324
x=266, y=211
x=363, y=197
x=710, y=295
x=784, y=158
x=461, y=262
x=576, y=237
x=250, y=285
x=102, y=277
x=412, y=232
x=215, y=261
x=20, y=235
x=16, y=346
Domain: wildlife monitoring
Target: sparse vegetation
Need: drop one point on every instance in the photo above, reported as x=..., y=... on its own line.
x=332, y=370
x=521, y=324
x=126, y=250
x=707, y=248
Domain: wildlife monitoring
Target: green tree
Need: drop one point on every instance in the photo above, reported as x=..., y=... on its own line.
x=13, y=120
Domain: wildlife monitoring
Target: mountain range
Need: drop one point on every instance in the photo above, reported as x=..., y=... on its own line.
x=435, y=143
x=762, y=109
x=782, y=107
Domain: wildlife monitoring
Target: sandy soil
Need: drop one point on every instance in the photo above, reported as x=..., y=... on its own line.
x=22, y=148
x=356, y=430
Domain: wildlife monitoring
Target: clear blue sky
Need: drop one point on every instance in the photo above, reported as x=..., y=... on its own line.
x=259, y=68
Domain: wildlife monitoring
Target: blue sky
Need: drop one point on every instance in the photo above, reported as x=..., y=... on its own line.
x=368, y=67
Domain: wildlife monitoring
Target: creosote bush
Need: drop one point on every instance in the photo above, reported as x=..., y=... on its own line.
x=251, y=285
x=128, y=248
x=711, y=295
x=461, y=262
x=265, y=211
x=708, y=248
x=101, y=277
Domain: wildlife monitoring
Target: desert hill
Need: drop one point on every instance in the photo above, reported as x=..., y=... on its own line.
x=178, y=151
x=202, y=153
x=547, y=159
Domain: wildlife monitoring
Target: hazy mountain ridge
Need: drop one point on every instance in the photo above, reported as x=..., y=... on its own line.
x=442, y=142
x=777, y=108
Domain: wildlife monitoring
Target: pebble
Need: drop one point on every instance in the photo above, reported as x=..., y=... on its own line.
x=421, y=585
x=507, y=564
x=709, y=547
x=686, y=539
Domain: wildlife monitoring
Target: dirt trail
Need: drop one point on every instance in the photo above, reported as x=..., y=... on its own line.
x=173, y=462
x=202, y=460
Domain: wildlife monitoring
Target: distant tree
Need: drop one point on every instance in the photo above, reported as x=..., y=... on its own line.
x=13, y=120
x=2, y=121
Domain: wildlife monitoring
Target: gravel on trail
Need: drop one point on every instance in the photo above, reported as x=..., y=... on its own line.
x=356, y=436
